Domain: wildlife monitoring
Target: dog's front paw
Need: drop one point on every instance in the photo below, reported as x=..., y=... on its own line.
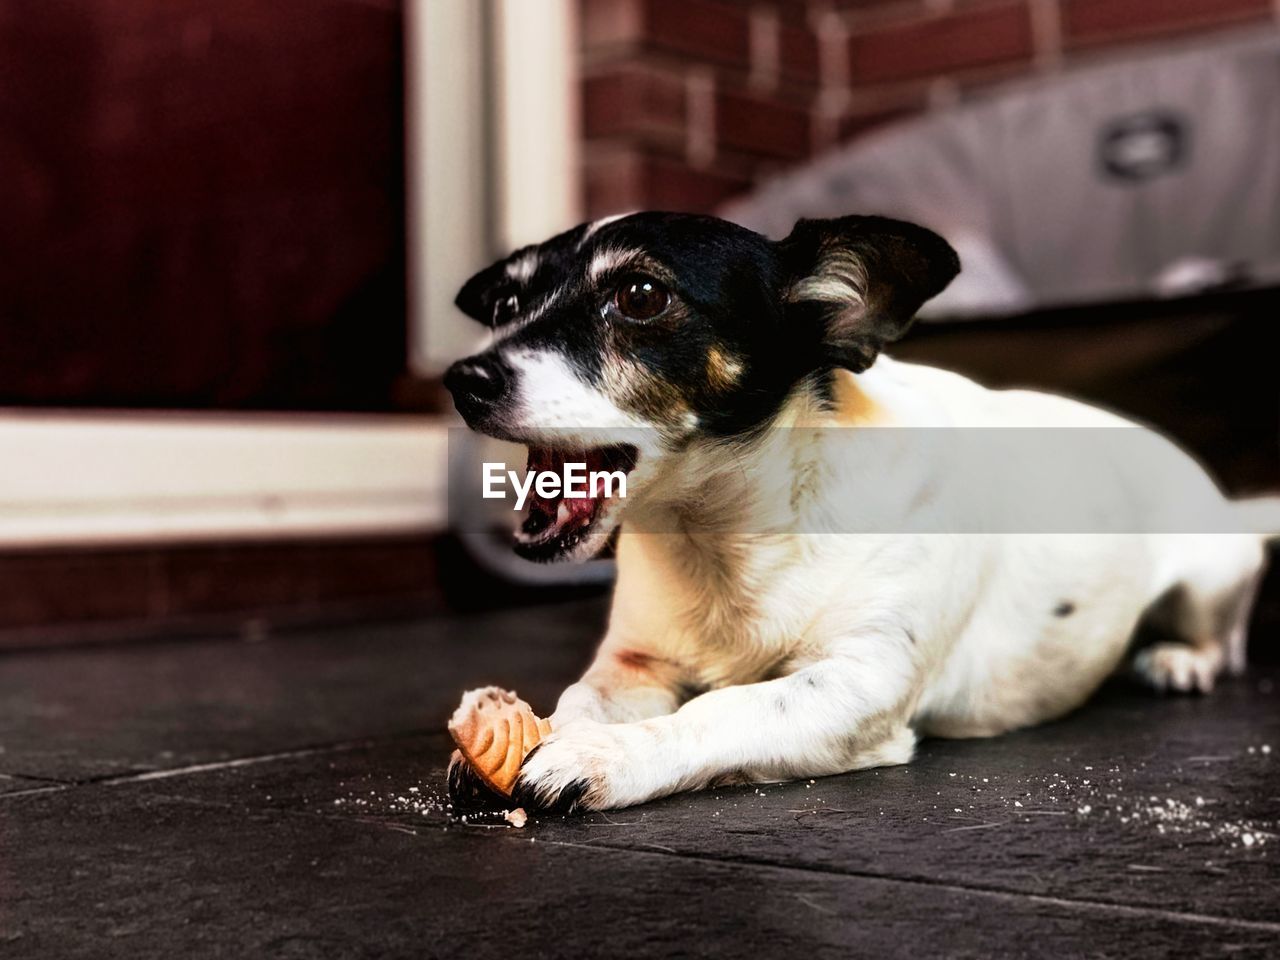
x=580, y=767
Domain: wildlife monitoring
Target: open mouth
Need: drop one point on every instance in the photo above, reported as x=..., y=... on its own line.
x=556, y=524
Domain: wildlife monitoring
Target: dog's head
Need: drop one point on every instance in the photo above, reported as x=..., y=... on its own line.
x=620, y=342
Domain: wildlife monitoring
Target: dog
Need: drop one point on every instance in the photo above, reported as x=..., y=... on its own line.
x=753, y=636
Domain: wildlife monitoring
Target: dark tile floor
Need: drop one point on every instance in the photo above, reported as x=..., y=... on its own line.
x=284, y=799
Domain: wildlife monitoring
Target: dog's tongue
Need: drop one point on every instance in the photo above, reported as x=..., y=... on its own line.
x=554, y=515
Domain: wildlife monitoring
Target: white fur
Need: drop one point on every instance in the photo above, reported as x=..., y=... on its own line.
x=609, y=260
x=523, y=268
x=555, y=402
x=595, y=225
x=740, y=648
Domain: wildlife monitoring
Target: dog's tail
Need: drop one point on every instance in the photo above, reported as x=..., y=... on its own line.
x=1260, y=515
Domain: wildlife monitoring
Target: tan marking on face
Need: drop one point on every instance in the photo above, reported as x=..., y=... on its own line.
x=635, y=388
x=723, y=370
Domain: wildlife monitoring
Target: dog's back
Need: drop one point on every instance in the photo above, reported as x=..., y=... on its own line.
x=1057, y=608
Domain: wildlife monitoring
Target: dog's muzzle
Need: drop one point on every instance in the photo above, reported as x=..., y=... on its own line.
x=478, y=384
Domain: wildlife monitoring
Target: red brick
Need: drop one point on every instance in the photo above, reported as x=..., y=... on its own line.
x=78, y=587
x=619, y=181
x=762, y=127
x=714, y=31
x=1093, y=22
x=939, y=45
x=872, y=4
x=880, y=10
x=609, y=23
x=796, y=11
x=634, y=101
x=798, y=56
x=612, y=182
x=672, y=186
x=705, y=30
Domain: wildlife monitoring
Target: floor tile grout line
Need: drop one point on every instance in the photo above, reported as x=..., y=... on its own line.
x=198, y=768
x=1101, y=906
x=167, y=773
x=35, y=791
x=1078, y=904
x=1082, y=904
x=810, y=869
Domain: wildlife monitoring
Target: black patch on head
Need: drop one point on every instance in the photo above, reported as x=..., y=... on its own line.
x=485, y=295
x=727, y=314
x=737, y=339
x=1065, y=609
x=726, y=284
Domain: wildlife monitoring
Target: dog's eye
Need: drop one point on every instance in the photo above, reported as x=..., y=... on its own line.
x=505, y=309
x=640, y=298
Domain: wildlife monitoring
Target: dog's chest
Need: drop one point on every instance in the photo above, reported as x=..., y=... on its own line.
x=729, y=613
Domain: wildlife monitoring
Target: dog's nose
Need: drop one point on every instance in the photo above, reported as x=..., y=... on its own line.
x=477, y=383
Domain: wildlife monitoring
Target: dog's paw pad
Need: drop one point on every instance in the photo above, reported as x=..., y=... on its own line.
x=1179, y=667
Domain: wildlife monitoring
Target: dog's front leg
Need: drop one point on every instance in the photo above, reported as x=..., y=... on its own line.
x=623, y=684
x=833, y=716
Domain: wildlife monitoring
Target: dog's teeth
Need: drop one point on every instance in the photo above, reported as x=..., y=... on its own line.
x=562, y=512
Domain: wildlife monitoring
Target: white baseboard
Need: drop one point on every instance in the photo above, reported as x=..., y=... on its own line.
x=98, y=479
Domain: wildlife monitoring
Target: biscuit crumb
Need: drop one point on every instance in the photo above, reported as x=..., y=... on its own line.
x=516, y=817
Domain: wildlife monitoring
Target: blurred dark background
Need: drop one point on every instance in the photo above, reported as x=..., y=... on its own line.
x=203, y=202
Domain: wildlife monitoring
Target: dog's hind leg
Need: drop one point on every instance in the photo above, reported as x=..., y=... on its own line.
x=1210, y=622
x=1183, y=667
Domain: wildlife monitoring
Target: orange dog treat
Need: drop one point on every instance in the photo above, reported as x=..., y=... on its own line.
x=495, y=730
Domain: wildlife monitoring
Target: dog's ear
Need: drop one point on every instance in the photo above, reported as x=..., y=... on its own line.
x=477, y=296
x=492, y=296
x=860, y=281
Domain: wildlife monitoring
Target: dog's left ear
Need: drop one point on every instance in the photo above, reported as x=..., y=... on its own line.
x=860, y=280
x=481, y=294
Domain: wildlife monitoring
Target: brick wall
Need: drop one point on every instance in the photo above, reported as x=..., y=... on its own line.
x=688, y=102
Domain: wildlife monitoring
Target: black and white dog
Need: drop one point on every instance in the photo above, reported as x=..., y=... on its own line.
x=726, y=374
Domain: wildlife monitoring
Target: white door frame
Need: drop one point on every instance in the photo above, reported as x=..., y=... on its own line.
x=492, y=149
